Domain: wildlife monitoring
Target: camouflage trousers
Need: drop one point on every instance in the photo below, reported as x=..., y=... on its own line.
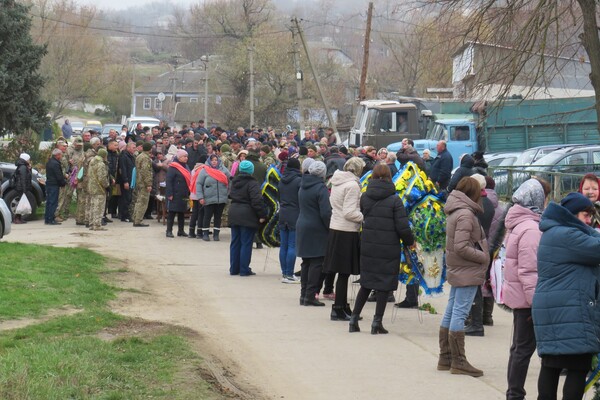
x=97, y=203
x=80, y=215
x=140, y=204
x=64, y=201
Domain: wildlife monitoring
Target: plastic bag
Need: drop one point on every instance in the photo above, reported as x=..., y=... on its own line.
x=23, y=208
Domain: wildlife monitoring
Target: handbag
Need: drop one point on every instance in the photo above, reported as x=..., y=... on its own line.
x=24, y=207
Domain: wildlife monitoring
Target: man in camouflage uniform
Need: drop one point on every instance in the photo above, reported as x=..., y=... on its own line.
x=266, y=156
x=64, y=165
x=74, y=156
x=227, y=157
x=143, y=185
x=83, y=199
x=97, y=183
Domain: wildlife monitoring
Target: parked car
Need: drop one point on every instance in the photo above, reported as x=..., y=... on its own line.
x=5, y=219
x=77, y=127
x=38, y=188
x=95, y=128
x=145, y=121
x=93, y=122
x=107, y=127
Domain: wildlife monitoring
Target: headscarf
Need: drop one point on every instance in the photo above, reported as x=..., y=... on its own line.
x=530, y=195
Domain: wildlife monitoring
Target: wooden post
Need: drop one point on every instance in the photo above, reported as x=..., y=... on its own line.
x=363, y=75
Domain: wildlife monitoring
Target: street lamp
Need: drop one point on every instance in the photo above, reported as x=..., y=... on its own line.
x=205, y=60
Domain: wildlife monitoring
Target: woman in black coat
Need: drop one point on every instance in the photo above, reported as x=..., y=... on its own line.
x=312, y=230
x=22, y=181
x=246, y=212
x=385, y=225
x=289, y=210
x=177, y=193
x=465, y=169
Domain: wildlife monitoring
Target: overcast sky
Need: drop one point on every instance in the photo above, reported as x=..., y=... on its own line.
x=121, y=4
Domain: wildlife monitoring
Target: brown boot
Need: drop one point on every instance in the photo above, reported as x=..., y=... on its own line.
x=460, y=365
x=445, y=360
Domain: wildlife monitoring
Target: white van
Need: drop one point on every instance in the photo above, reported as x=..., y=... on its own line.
x=132, y=122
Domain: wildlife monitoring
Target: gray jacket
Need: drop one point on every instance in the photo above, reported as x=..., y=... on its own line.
x=211, y=190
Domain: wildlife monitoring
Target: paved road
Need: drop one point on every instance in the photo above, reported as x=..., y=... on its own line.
x=269, y=345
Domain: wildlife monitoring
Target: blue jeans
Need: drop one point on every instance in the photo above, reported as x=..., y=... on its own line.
x=51, y=202
x=287, y=251
x=240, y=250
x=459, y=305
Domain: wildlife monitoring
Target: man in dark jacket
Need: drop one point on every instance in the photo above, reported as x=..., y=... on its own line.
x=334, y=162
x=126, y=165
x=289, y=209
x=441, y=169
x=55, y=179
x=408, y=153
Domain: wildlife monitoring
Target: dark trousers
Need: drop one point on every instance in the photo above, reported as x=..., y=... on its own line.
x=113, y=203
x=240, y=250
x=573, y=388
x=361, y=300
x=171, y=221
x=51, y=202
x=412, y=292
x=521, y=350
x=328, y=280
x=124, y=203
x=341, y=290
x=209, y=211
x=310, y=277
x=197, y=215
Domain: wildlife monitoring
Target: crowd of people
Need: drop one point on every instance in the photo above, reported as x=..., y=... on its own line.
x=551, y=271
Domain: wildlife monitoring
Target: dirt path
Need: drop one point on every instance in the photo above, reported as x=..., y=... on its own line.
x=257, y=338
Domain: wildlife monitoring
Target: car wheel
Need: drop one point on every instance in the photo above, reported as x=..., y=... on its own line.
x=1, y=228
x=12, y=199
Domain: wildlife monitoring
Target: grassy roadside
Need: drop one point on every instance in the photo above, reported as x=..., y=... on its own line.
x=94, y=353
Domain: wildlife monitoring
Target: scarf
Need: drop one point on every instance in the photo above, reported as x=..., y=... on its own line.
x=217, y=175
x=183, y=170
x=195, y=174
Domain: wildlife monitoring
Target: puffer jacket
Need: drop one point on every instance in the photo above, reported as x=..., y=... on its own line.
x=520, y=268
x=499, y=210
x=209, y=189
x=345, y=202
x=565, y=310
x=467, y=256
x=289, y=208
x=247, y=205
x=465, y=169
x=22, y=176
x=312, y=228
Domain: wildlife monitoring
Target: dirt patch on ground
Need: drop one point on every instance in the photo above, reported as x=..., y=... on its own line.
x=23, y=322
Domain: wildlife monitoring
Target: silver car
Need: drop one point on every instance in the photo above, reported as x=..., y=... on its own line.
x=5, y=219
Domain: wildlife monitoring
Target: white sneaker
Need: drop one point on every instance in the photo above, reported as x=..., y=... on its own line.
x=289, y=279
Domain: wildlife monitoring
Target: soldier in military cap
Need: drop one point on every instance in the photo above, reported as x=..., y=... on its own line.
x=97, y=183
x=143, y=186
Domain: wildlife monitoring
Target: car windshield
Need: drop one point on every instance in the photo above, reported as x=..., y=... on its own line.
x=548, y=161
x=77, y=124
x=526, y=157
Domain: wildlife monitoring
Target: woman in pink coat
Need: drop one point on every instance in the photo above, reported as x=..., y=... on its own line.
x=520, y=277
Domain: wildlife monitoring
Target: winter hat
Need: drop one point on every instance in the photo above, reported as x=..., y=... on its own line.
x=225, y=148
x=293, y=163
x=318, y=168
x=25, y=156
x=103, y=153
x=576, y=203
x=247, y=167
x=181, y=153
x=479, y=178
x=490, y=183
x=147, y=146
x=306, y=164
x=311, y=147
x=283, y=155
x=242, y=152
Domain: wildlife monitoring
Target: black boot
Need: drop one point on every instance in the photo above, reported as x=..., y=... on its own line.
x=216, y=234
x=170, y=234
x=205, y=236
x=339, y=314
x=348, y=311
x=192, y=234
x=377, y=326
x=353, y=326
x=182, y=233
x=312, y=301
x=488, y=307
x=476, y=326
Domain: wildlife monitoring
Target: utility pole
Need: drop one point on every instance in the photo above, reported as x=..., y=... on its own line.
x=133, y=99
x=332, y=123
x=251, y=60
x=206, y=90
x=299, y=78
x=173, y=102
x=363, y=75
